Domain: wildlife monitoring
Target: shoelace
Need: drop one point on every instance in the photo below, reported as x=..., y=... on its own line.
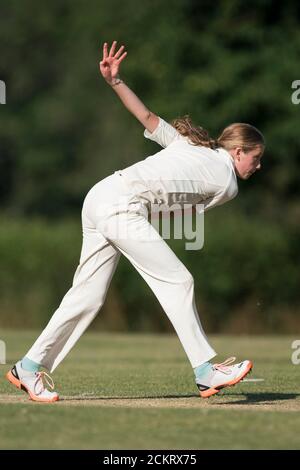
x=42, y=377
x=223, y=366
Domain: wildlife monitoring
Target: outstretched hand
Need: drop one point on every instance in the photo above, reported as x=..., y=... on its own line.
x=110, y=63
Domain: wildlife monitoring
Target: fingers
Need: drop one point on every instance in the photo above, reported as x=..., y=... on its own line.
x=122, y=57
x=117, y=54
x=112, y=54
x=104, y=51
x=112, y=49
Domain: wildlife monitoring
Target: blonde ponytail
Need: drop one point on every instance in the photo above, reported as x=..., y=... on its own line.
x=196, y=134
x=238, y=134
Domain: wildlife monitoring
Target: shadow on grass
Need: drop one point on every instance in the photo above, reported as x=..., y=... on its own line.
x=148, y=397
x=244, y=398
x=259, y=397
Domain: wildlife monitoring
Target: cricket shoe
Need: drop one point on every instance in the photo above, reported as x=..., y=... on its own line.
x=33, y=383
x=223, y=375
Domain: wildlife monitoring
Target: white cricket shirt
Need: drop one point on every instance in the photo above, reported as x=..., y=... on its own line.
x=182, y=173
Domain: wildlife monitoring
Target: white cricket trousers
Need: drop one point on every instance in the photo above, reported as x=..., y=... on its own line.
x=114, y=223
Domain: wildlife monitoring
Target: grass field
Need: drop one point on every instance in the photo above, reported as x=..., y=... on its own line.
x=137, y=391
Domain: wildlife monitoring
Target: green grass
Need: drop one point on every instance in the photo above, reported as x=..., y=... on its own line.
x=137, y=391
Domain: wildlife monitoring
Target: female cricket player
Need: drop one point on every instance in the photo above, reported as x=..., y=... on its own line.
x=191, y=168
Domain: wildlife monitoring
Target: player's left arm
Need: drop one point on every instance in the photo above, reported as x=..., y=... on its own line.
x=109, y=68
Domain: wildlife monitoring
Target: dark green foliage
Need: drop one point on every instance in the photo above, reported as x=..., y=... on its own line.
x=245, y=277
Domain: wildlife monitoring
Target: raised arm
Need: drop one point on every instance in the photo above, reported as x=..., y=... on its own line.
x=109, y=68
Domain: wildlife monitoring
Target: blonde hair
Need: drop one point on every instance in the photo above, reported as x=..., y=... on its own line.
x=238, y=134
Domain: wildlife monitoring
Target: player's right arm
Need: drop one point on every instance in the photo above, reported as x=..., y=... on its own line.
x=109, y=69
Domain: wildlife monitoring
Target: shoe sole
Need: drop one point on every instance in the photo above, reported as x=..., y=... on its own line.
x=212, y=391
x=17, y=383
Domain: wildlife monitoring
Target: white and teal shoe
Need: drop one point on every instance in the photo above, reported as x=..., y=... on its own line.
x=33, y=383
x=222, y=375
